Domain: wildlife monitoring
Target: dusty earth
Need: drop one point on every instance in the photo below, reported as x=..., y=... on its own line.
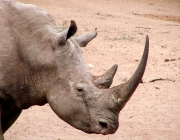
x=153, y=113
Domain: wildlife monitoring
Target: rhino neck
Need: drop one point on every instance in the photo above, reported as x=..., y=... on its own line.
x=33, y=67
x=30, y=88
x=34, y=78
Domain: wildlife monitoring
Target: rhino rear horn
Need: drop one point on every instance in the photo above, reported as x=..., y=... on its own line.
x=104, y=81
x=65, y=35
x=85, y=39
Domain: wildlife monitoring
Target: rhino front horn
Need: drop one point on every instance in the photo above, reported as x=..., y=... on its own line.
x=122, y=93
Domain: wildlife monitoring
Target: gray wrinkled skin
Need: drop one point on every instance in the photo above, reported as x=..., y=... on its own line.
x=40, y=63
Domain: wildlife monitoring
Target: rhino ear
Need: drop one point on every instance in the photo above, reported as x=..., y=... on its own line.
x=84, y=39
x=71, y=30
x=65, y=35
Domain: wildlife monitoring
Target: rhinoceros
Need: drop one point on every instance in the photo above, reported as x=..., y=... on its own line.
x=41, y=63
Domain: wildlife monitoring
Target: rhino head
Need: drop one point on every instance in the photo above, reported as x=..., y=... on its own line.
x=81, y=99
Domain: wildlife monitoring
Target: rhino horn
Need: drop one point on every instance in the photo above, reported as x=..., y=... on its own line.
x=104, y=81
x=122, y=93
x=83, y=40
x=65, y=35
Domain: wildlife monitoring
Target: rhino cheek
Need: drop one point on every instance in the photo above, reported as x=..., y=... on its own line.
x=70, y=110
x=58, y=106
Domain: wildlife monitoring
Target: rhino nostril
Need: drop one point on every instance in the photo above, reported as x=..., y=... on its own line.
x=103, y=124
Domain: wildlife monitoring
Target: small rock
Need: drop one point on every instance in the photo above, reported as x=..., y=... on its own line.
x=166, y=60
x=157, y=87
x=90, y=66
x=173, y=59
x=173, y=54
x=164, y=46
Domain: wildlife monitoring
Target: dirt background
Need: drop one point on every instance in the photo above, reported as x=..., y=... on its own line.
x=153, y=113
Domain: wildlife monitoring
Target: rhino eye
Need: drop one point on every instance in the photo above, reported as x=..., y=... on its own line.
x=79, y=89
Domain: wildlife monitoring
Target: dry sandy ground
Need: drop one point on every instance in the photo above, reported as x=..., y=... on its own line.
x=153, y=113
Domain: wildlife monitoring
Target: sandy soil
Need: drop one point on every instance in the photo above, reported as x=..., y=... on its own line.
x=153, y=113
